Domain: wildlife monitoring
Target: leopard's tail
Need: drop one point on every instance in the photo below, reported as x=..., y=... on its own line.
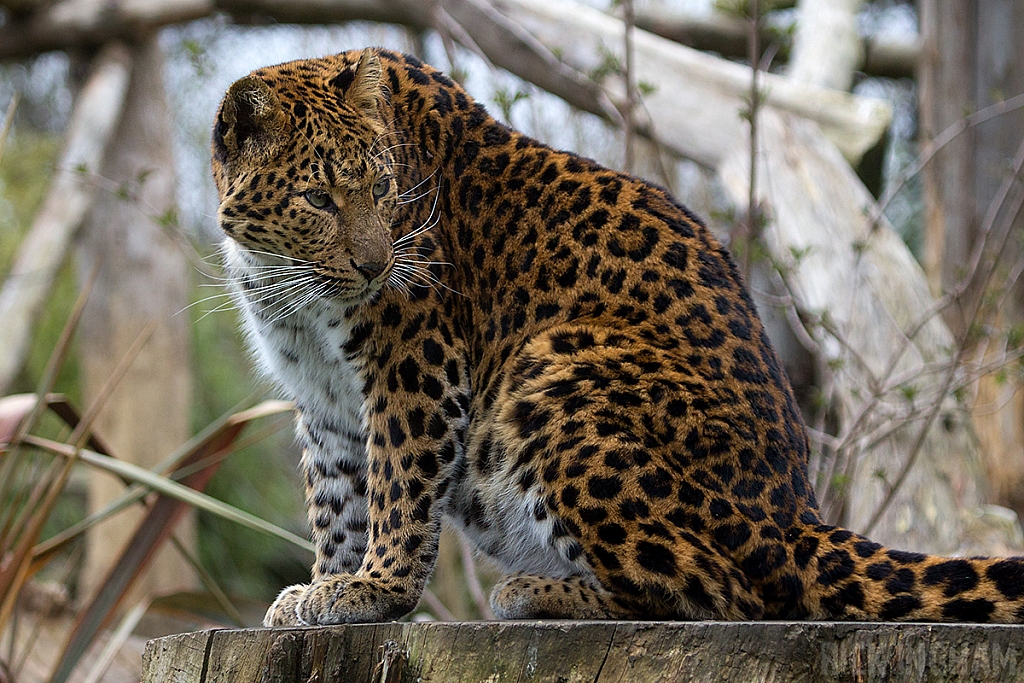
x=847, y=576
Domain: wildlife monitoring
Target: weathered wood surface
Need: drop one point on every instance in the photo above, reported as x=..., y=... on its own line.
x=596, y=652
x=827, y=47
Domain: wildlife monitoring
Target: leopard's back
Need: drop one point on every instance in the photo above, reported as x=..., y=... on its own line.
x=559, y=357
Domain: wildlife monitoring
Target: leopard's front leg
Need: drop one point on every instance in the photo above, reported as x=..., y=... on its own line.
x=334, y=467
x=416, y=414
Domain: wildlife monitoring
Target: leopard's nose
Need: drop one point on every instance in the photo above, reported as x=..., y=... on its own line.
x=370, y=269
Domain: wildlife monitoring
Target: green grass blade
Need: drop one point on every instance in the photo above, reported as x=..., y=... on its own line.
x=169, y=487
x=153, y=529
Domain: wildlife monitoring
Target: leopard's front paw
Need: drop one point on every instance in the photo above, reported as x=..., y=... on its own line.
x=351, y=599
x=285, y=610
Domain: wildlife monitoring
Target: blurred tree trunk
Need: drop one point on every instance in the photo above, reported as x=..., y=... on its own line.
x=827, y=47
x=971, y=60
x=142, y=277
x=42, y=251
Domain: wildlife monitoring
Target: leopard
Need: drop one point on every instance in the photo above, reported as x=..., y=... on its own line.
x=555, y=358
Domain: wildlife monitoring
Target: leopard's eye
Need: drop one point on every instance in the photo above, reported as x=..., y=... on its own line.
x=381, y=187
x=318, y=199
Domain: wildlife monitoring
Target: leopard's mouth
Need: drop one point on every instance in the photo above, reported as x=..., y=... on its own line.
x=354, y=290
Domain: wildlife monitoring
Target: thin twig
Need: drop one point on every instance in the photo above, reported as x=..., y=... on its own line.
x=629, y=106
x=936, y=144
x=955, y=295
x=5, y=128
x=436, y=606
x=476, y=591
x=754, y=55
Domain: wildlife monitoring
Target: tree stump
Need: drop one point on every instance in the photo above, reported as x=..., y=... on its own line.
x=592, y=652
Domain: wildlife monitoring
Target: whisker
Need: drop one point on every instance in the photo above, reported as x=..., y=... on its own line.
x=426, y=227
x=387, y=133
x=416, y=271
x=399, y=281
x=226, y=306
x=389, y=148
x=414, y=187
x=416, y=198
x=420, y=230
x=279, y=290
x=281, y=267
x=413, y=250
x=204, y=300
x=426, y=263
x=269, y=253
x=269, y=273
x=427, y=224
x=301, y=302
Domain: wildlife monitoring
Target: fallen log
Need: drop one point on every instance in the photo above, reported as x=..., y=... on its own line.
x=697, y=101
x=593, y=652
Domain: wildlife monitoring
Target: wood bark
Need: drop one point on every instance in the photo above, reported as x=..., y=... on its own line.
x=142, y=278
x=593, y=652
x=693, y=108
x=75, y=21
x=946, y=96
x=999, y=413
x=43, y=250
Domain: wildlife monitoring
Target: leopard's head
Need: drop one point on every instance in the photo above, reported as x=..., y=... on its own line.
x=303, y=165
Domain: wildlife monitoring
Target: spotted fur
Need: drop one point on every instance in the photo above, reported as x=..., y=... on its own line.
x=558, y=357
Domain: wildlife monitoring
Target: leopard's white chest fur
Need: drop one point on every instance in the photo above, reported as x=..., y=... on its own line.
x=302, y=350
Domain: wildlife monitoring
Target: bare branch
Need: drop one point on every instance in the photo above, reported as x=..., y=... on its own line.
x=631, y=101
x=473, y=580
x=872, y=290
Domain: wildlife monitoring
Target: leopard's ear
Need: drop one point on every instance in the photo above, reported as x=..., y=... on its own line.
x=250, y=124
x=365, y=92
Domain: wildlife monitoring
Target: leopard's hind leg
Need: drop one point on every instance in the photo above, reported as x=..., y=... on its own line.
x=624, y=450
x=527, y=596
